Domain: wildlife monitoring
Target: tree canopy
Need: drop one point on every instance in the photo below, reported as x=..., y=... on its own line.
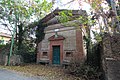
x=16, y=15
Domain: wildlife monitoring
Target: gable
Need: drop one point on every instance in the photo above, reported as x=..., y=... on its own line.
x=53, y=17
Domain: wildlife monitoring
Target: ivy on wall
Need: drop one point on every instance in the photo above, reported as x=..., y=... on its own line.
x=40, y=31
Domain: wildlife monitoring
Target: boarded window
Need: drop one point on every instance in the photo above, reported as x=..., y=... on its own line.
x=45, y=54
x=69, y=54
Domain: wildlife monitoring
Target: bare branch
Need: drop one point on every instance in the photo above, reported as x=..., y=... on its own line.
x=68, y=2
x=6, y=26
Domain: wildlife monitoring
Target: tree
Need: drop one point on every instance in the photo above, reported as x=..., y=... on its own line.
x=19, y=13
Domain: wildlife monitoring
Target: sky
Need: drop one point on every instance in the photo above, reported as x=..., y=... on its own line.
x=61, y=4
x=3, y=29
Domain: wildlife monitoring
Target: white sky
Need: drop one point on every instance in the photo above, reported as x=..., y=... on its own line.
x=62, y=4
x=4, y=29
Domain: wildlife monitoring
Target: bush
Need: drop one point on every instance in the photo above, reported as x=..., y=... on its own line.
x=5, y=49
x=2, y=46
x=80, y=69
x=27, y=53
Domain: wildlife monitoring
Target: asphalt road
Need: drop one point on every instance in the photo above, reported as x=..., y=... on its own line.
x=11, y=75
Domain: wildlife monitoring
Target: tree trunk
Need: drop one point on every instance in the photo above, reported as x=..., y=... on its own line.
x=20, y=36
x=88, y=45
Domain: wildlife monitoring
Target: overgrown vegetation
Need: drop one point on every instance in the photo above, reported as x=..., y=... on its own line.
x=82, y=69
x=27, y=51
x=40, y=31
x=16, y=15
x=111, y=25
x=5, y=49
x=1, y=46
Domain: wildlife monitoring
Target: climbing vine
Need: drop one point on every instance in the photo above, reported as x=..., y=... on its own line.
x=40, y=31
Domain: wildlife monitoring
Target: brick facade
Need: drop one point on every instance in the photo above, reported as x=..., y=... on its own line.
x=79, y=44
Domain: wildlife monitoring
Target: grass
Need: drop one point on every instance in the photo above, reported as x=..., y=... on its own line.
x=52, y=73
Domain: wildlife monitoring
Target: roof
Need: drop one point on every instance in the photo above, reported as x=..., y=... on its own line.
x=56, y=12
x=5, y=35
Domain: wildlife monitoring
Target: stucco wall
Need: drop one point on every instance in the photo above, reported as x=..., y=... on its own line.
x=72, y=44
x=70, y=38
x=69, y=43
x=6, y=39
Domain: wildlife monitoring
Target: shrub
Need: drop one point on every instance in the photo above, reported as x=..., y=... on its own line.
x=78, y=68
x=4, y=49
x=1, y=46
x=27, y=53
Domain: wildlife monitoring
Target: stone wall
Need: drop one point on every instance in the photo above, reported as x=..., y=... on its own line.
x=115, y=46
x=14, y=60
x=111, y=46
x=111, y=56
x=3, y=59
x=107, y=46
